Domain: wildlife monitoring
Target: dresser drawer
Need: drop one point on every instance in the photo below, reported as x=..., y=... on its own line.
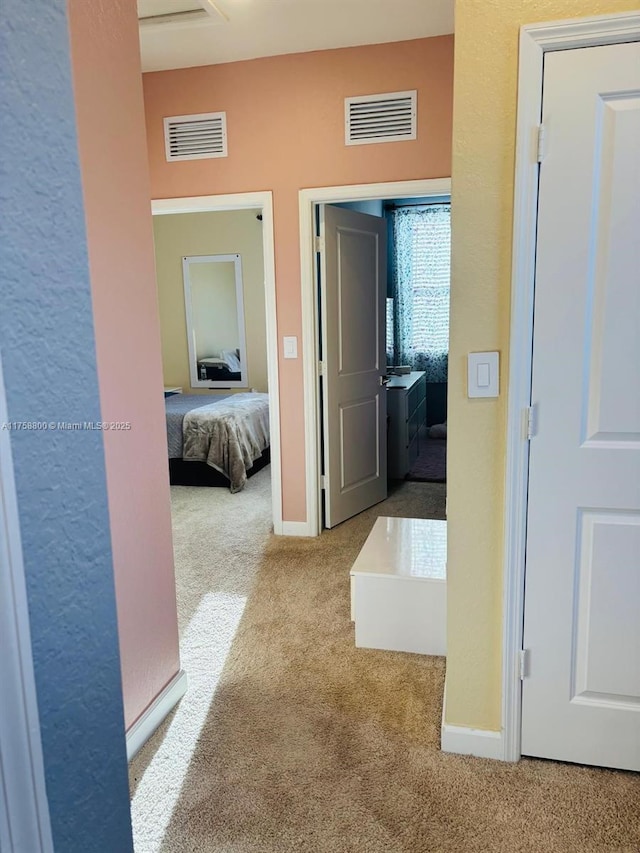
x=417, y=419
x=416, y=395
x=414, y=449
x=406, y=408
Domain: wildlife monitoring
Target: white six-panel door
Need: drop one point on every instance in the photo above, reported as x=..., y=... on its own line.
x=581, y=696
x=353, y=289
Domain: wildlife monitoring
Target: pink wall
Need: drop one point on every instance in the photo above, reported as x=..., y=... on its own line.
x=285, y=120
x=113, y=159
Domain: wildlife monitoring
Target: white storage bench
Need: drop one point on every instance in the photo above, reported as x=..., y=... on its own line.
x=399, y=587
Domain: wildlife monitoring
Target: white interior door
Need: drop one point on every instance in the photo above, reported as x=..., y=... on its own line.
x=581, y=698
x=353, y=289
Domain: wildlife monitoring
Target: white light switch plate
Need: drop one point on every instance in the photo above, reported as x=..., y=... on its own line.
x=290, y=347
x=483, y=374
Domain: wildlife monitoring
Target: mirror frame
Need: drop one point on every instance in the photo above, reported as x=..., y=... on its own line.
x=196, y=382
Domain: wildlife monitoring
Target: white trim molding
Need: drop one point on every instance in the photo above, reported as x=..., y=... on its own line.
x=462, y=740
x=307, y=199
x=149, y=720
x=296, y=528
x=195, y=380
x=535, y=41
x=249, y=201
x=584, y=32
x=465, y=741
x=24, y=809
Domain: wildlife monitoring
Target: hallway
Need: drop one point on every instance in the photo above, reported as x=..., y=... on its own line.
x=303, y=742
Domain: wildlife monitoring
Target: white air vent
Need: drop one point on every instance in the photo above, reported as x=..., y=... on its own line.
x=392, y=117
x=195, y=137
x=176, y=14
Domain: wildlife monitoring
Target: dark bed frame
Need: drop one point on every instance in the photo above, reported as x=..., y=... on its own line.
x=184, y=473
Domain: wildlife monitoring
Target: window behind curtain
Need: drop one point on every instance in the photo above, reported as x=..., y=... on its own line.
x=420, y=263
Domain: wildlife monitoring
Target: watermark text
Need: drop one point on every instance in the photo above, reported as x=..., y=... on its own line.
x=72, y=426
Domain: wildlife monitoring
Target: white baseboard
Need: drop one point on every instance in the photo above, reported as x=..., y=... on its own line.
x=296, y=528
x=148, y=722
x=466, y=741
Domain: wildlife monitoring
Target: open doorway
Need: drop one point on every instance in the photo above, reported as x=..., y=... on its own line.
x=381, y=296
x=216, y=293
x=219, y=355
x=210, y=277
x=412, y=311
x=417, y=332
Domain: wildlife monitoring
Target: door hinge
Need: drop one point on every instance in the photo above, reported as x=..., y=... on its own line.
x=323, y=481
x=523, y=663
x=530, y=415
x=542, y=148
x=321, y=368
x=318, y=244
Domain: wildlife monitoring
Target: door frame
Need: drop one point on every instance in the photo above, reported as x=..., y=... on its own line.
x=307, y=200
x=24, y=808
x=250, y=201
x=535, y=41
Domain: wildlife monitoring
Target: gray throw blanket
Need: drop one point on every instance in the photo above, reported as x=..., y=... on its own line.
x=228, y=435
x=176, y=407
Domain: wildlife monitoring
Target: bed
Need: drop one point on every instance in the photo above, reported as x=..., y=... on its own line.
x=224, y=367
x=217, y=439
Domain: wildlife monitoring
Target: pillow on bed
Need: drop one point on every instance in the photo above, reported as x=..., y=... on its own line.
x=438, y=430
x=220, y=362
x=231, y=360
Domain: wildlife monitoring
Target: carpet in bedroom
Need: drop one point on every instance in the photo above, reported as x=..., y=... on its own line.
x=291, y=740
x=431, y=464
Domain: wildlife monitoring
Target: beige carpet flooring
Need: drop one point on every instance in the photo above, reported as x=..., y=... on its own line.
x=300, y=742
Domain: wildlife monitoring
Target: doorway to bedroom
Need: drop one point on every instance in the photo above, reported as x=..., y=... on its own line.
x=216, y=294
x=216, y=298
x=417, y=278
x=375, y=274
x=379, y=272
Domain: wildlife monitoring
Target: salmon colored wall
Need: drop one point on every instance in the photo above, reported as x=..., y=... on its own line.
x=285, y=122
x=115, y=177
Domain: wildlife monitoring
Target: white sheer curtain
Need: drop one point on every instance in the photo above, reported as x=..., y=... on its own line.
x=420, y=271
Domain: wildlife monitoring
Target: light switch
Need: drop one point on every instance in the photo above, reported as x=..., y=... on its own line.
x=290, y=346
x=482, y=374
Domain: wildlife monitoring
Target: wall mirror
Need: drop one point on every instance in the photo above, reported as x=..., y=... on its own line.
x=215, y=321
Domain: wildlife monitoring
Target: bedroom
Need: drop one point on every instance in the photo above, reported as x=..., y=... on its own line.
x=417, y=327
x=211, y=294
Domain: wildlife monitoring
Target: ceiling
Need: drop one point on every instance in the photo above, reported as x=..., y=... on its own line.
x=207, y=32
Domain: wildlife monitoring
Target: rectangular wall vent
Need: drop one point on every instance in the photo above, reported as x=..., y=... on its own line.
x=391, y=117
x=175, y=14
x=195, y=137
